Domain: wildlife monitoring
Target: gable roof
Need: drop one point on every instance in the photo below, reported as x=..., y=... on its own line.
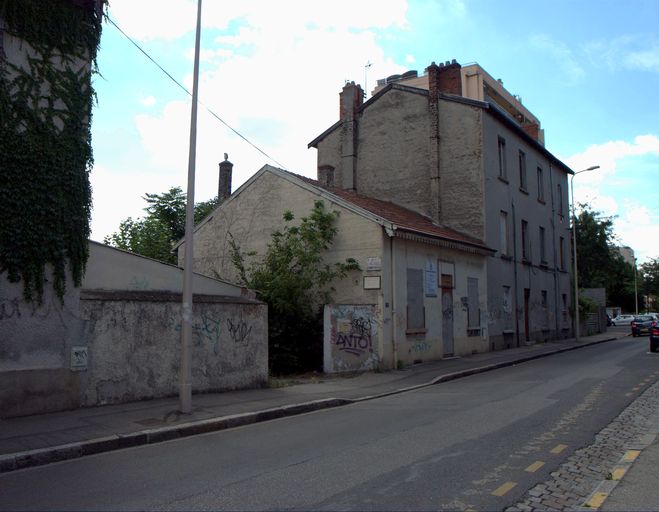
x=488, y=107
x=395, y=219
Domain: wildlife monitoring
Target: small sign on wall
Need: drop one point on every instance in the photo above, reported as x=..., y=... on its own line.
x=374, y=264
x=372, y=282
x=79, y=357
x=431, y=279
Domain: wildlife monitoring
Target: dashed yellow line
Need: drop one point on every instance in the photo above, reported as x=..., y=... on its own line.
x=618, y=473
x=597, y=500
x=535, y=466
x=505, y=488
x=558, y=448
x=631, y=455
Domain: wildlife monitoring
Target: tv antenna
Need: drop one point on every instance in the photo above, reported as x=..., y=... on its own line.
x=366, y=66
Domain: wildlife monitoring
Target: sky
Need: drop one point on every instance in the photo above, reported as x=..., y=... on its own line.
x=272, y=71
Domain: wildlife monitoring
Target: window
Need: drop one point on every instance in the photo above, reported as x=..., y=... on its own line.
x=473, y=311
x=503, y=230
x=543, y=296
x=543, y=253
x=416, y=314
x=525, y=241
x=564, y=301
x=507, y=307
x=561, y=213
x=561, y=252
x=522, y=170
x=503, y=174
x=541, y=185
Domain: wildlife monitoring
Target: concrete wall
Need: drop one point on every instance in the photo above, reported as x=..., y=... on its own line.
x=133, y=340
x=414, y=347
x=113, y=345
x=461, y=168
x=383, y=171
x=507, y=318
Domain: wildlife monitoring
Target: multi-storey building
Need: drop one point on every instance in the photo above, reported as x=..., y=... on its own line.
x=455, y=146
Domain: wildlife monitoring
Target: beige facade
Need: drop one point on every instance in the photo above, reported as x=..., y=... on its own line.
x=455, y=146
x=368, y=325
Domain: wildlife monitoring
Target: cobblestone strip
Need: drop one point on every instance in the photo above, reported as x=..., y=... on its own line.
x=590, y=470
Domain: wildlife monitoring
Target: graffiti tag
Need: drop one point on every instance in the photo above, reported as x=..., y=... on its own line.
x=356, y=338
x=238, y=330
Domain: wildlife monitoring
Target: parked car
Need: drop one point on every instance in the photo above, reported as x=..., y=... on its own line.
x=654, y=338
x=642, y=324
x=622, y=320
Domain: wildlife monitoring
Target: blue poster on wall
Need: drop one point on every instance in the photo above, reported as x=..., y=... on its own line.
x=431, y=279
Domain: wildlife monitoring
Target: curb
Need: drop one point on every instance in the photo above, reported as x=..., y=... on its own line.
x=42, y=456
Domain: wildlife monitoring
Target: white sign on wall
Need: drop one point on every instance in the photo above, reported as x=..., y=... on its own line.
x=431, y=279
x=79, y=357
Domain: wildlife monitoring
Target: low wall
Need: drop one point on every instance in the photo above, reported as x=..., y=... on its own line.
x=122, y=342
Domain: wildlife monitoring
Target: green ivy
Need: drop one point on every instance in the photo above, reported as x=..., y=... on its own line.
x=45, y=129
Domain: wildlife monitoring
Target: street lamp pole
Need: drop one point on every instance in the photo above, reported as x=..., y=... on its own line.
x=574, y=258
x=185, y=376
x=635, y=288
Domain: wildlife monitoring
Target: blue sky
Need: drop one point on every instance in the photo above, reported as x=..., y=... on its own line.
x=589, y=70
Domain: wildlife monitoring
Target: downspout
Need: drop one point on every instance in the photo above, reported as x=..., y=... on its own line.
x=553, y=236
x=392, y=291
x=512, y=205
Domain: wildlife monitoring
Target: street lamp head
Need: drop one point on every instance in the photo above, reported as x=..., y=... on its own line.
x=592, y=168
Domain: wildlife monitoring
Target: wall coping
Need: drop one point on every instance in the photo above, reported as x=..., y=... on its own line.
x=162, y=296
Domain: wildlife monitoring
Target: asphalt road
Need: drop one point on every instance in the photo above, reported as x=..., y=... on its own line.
x=478, y=442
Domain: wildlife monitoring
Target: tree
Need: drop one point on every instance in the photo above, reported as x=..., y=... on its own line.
x=649, y=283
x=155, y=235
x=600, y=264
x=295, y=282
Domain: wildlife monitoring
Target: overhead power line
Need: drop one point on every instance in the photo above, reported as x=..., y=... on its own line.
x=208, y=109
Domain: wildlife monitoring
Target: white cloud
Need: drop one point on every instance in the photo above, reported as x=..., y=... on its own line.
x=562, y=55
x=636, y=223
x=635, y=52
x=148, y=101
x=409, y=59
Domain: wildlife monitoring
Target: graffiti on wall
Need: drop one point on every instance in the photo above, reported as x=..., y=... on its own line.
x=420, y=347
x=352, y=337
x=205, y=332
x=238, y=329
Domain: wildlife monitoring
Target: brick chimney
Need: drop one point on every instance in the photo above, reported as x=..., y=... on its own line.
x=445, y=78
x=351, y=98
x=224, y=189
x=326, y=175
x=532, y=129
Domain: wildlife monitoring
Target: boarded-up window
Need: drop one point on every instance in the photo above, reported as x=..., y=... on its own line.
x=473, y=311
x=416, y=318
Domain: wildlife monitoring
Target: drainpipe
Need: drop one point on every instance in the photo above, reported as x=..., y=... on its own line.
x=392, y=292
x=553, y=237
x=512, y=206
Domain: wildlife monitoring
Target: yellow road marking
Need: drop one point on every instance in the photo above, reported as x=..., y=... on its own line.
x=631, y=455
x=597, y=500
x=618, y=473
x=535, y=466
x=558, y=448
x=504, y=489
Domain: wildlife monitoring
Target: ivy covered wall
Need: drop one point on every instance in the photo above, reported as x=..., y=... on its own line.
x=47, y=56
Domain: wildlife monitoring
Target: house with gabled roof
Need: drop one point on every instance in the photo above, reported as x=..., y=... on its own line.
x=455, y=146
x=420, y=294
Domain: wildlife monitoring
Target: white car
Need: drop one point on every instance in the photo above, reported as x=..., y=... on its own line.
x=623, y=320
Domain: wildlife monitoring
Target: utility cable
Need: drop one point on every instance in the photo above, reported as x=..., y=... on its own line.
x=190, y=94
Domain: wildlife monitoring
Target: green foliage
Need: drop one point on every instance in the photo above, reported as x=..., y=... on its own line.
x=295, y=282
x=46, y=157
x=155, y=235
x=649, y=283
x=599, y=261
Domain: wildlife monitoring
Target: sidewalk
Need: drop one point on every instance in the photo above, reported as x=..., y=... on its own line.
x=42, y=439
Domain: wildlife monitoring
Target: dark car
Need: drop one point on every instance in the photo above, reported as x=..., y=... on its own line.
x=642, y=324
x=654, y=338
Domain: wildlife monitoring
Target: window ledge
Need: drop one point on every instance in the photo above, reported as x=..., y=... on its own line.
x=473, y=331
x=506, y=257
x=523, y=191
x=542, y=201
x=526, y=261
x=501, y=178
x=415, y=331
